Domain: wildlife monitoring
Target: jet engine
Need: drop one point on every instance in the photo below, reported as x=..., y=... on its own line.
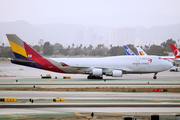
x=115, y=73
x=96, y=72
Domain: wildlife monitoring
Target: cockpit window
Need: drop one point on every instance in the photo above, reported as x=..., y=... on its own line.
x=160, y=58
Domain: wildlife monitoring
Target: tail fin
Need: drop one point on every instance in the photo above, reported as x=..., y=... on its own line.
x=20, y=49
x=24, y=54
x=128, y=50
x=175, y=51
x=140, y=51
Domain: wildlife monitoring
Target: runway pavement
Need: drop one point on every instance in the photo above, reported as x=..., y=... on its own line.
x=91, y=101
x=21, y=72
x=89, y=95
x=30, y=76
x=166, y=102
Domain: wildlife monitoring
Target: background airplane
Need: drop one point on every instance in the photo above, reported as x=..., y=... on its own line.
x=95, y=67
x=128, y=50
x=141, y=52
x=176, y=52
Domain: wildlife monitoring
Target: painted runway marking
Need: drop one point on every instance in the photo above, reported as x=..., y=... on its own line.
x=35, y=98
x=16, y=115
x=77, y=113
x=158, y=100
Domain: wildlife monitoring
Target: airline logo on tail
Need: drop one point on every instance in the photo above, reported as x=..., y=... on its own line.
x=141, y=53
x=175, y=51
x=128, y=50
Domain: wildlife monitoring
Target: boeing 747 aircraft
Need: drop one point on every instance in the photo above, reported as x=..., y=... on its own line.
x=95, y=67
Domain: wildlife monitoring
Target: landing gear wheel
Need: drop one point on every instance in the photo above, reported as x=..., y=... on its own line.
x=155, y=76
x=99, y=78
x=94, y=77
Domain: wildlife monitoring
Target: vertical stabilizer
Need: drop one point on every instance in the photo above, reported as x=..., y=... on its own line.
x=24, y=54
x=128, y=50
x=175, y=51
x=27, y=56
x=140, y=51
x=20, y=49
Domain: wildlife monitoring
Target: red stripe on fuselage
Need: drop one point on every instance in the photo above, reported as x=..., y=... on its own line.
x=33, y=55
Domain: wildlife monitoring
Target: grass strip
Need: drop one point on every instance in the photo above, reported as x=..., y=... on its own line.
x=95, y=89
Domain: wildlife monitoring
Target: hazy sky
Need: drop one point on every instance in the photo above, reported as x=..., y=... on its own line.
x=114, y=13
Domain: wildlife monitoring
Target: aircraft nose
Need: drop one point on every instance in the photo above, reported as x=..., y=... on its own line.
x=168, y=65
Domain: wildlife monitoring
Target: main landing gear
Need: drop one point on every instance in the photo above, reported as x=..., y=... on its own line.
x=94, y=77
x=155, y=77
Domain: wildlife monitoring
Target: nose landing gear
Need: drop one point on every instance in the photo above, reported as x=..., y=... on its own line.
x=155, y=77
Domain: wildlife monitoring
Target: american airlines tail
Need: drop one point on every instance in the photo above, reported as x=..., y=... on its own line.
x=175, y=51
x=25, y=55
x=140, y=51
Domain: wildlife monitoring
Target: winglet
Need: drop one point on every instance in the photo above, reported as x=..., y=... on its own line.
x=63, y=64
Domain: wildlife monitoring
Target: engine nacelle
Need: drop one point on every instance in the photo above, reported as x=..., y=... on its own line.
x=115, y=73
x=96, y=72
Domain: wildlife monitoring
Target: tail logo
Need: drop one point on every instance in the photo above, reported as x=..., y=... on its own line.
x=129, y=51
x=29, y=56
x=176, y=52
x=63, y=64
x=141, y=53
x=150, y=60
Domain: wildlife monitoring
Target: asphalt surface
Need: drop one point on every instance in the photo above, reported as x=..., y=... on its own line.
x=77, y=101
x=89, y=95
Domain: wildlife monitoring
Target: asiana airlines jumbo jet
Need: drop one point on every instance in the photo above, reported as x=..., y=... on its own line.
x=95, y=67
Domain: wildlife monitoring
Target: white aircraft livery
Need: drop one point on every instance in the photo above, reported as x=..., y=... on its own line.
x=95, y=67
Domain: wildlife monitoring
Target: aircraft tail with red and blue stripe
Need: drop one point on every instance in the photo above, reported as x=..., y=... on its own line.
x=25, y=55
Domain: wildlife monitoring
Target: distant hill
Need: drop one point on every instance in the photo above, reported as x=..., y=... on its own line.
x=158, y=32
x=23, y=29
x=67, y=33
